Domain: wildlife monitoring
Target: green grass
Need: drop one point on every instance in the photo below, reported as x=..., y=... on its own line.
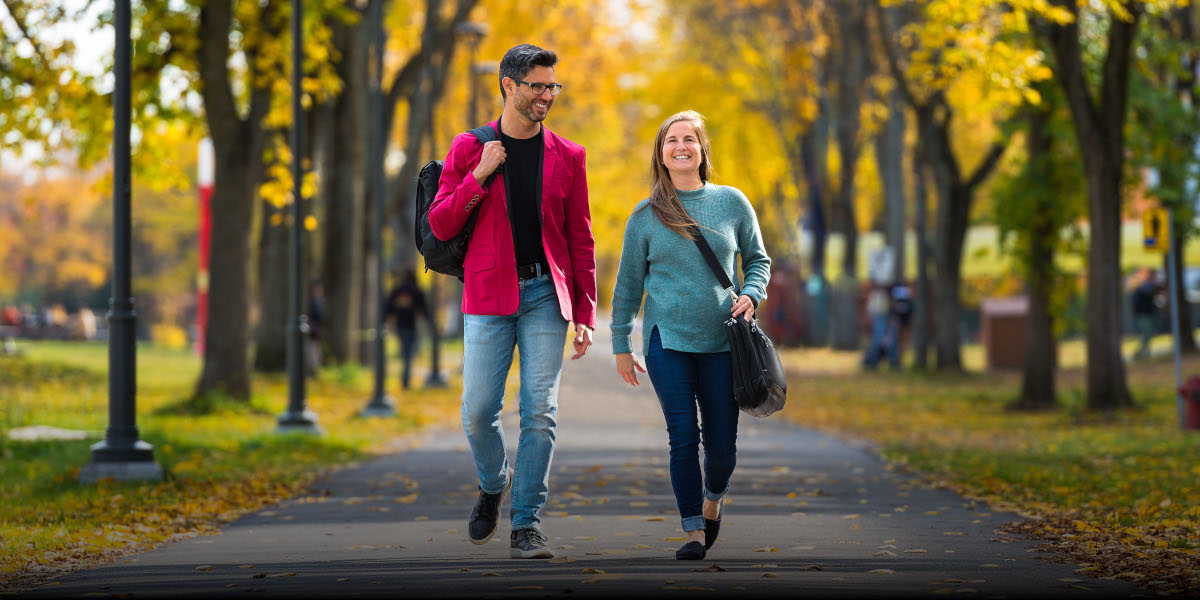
x=219, y=465
x=1126, y=485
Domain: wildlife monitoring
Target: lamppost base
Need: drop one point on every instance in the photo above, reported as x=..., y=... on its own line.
x=381, y=406
x=435, y=380
x=135, y=463
x=301, y=422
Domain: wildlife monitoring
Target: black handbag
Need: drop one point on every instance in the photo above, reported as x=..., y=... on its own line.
x=759, y=383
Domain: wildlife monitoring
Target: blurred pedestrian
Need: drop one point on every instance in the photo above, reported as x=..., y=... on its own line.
x=404, y=303
x=316, y=326
x=1143, y=301
x=879, y=310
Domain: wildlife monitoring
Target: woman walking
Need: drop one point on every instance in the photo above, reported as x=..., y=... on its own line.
x=684, y=342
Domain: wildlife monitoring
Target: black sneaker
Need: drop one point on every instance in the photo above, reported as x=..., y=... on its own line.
x=486, y=514
x=528, y=543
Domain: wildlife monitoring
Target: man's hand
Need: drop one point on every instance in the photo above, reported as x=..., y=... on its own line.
x=493, y=155
x=583, y=340
x=628, y=366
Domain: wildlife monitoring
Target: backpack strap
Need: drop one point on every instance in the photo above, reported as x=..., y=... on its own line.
x=484, y=134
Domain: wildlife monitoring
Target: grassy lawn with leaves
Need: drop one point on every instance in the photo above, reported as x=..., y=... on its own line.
x=1118, y=494
x=222, y=460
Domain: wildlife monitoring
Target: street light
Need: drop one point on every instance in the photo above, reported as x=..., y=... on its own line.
x=380, y=404
x=297, y=417
x=121, y=455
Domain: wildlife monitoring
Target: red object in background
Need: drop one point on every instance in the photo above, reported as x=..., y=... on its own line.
x=205, y=162
x=1191, y=402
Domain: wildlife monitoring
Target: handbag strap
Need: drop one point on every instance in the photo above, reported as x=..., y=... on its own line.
x=711, y=258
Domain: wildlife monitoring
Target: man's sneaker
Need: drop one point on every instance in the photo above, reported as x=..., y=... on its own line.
x=529, y=543
x=486, y=514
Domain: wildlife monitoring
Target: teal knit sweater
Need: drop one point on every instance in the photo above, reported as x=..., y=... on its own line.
x=683, y=297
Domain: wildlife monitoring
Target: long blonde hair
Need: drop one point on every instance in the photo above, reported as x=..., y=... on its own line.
x=663, y=200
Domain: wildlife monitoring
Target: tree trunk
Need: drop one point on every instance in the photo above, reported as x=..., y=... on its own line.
x=270, y=348
x=889, y=154
x=1041, y=347
x=923, y=294
x=343, y=192
x=237, y=145
x=1099, y=131
x=850, y=69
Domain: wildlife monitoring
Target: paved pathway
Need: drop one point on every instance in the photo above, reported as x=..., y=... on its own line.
x=807, y=515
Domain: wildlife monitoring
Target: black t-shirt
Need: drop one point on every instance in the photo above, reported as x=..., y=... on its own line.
x=522, y=179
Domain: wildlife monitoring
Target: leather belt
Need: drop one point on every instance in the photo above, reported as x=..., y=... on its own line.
x=532, y=271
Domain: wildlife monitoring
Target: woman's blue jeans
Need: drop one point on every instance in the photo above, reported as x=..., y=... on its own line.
x=683, y=381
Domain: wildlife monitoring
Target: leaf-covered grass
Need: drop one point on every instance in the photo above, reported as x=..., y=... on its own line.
x=1119, y=492
x=219, y=465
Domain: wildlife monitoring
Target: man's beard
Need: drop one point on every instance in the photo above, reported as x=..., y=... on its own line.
x=525, y=107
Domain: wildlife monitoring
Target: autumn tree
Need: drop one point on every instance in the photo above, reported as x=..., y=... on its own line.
x=1098, y=106
x=942, y=55
x=1036, y=209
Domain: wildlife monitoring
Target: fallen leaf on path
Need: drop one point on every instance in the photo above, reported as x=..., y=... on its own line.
x=770, y=575
x=343, y=579
x=583, y=537
x=713, y=568
x=245, y=566
x=276, y=575
x=954, y=533
x=884, y=553
x=606, y=577
x=490, y=574
x=204, y=568
x=882, y=572
x=653, y=519
x=409, y=499
x=767, y=549
x=421, y=518
x=592, y=571
x=989, y=565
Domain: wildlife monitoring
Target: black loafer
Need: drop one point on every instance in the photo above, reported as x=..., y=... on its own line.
x=691, y=551
x=713, y=526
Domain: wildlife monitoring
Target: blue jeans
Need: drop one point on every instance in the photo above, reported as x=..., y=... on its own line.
x=682, y=380
x=538, y=331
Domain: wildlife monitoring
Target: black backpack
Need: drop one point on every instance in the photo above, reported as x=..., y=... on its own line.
x=445, y=257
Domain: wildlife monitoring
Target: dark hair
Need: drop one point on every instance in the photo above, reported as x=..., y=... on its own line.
x=519, y=60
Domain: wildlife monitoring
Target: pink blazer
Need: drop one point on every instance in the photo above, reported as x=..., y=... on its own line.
x=491, y=266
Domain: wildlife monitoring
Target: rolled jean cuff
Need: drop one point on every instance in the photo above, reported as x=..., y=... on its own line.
x=693, y=523
x=711, y=497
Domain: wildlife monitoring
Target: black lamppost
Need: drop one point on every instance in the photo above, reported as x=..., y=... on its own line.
x=298, y=417
x=121, y=455
x=380, y=404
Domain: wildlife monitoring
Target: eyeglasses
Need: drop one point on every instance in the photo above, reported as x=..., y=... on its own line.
x=540, y=88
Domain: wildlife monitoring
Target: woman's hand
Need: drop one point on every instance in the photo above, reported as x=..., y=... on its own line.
x=628, y=366
x=744, y=305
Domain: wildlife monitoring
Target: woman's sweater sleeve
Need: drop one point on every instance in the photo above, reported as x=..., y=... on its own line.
x=630, y=285
x=756, y=265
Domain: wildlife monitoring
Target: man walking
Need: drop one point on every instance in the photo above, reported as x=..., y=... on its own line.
x=530, y=269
